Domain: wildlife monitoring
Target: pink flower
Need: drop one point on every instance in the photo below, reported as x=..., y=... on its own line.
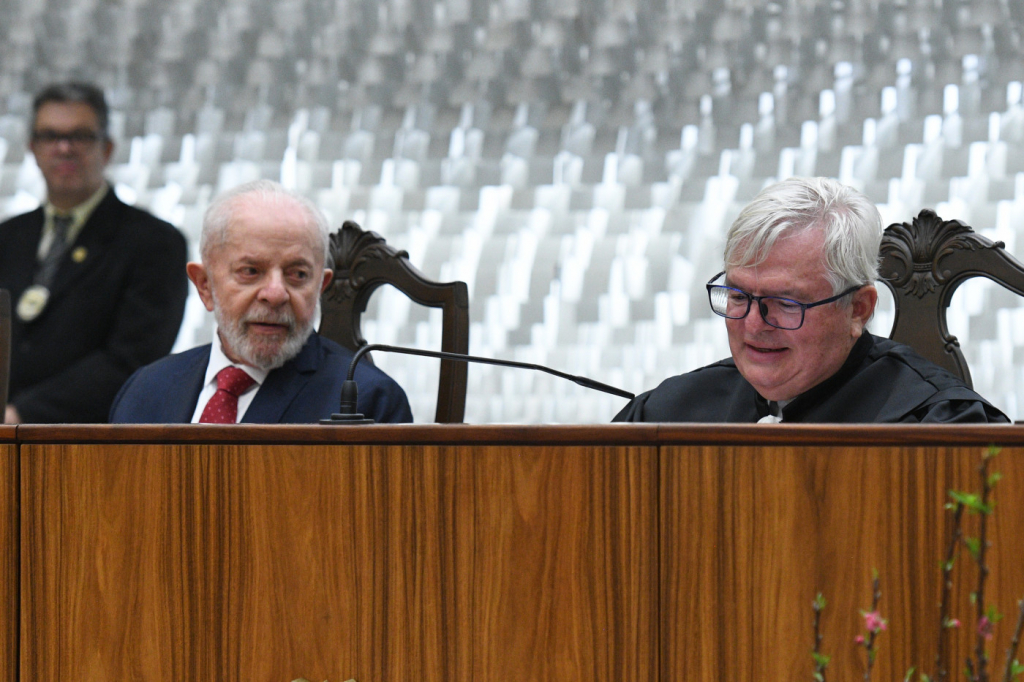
x=985, y=627
x=859, y=639
x=953, y=623
x=873, y=622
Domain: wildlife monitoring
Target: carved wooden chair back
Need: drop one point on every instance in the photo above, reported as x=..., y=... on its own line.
x=362, y=262
x=923, y=263
x=5, y=347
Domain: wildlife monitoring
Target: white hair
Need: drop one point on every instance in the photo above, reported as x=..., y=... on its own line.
x=221, y=212
x=850, y=221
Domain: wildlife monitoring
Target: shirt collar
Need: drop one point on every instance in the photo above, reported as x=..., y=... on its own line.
x=218, y=361
x=821, y=392
x=79, y=214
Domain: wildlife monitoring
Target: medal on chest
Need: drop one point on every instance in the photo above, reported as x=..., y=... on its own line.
x=32, y=302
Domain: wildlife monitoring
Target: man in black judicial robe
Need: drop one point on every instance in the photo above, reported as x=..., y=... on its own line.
x=798, y=290
x=882, y=381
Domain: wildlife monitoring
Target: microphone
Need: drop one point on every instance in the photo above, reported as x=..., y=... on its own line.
x=349, y=392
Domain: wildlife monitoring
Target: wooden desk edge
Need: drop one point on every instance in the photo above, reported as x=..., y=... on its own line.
x=586, y=434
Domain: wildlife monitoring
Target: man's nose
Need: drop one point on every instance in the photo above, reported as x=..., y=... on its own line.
x=755, y=320
x=274, y=292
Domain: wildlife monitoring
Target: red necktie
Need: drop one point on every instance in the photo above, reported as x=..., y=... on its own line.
x=223, y=406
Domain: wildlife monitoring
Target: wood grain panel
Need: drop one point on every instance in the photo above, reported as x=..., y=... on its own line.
x=750, y=535
x=9, y=562
x=156, y=562
x=295, y=560
x=106, y=594
x=557, y=546
x=437, y=563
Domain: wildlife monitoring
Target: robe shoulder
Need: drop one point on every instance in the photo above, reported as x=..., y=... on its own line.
x=882, y=382
x=714, y=393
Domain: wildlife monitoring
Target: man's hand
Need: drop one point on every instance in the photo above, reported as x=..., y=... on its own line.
x=11, y=415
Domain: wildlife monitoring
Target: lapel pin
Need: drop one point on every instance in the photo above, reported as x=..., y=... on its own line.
x=79, y=254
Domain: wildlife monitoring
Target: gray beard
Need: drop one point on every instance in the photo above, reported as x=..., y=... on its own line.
x=234, y=335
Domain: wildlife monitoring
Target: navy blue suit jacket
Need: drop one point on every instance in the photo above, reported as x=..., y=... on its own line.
x=304, y=390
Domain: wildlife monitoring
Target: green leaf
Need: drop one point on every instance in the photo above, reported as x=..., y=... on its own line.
x=973, y=546
x=925, y=678
x=962, y=497
x=994, y=478
x=820, y=660
x=819, y=602
x=818, y=677
x=992, y=614
x=910, y=672
x=972, y=501
x=874, y=573
x=992, y=452
x=973, y=597
x=1016, y=668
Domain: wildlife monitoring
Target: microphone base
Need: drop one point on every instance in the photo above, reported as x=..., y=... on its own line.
x=347, y=419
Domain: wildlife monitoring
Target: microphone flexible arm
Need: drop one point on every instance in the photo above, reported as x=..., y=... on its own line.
x=582, y=381
x=349, y=390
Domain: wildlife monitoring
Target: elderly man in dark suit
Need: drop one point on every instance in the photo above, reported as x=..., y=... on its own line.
x=97, y=286
x=264, y=251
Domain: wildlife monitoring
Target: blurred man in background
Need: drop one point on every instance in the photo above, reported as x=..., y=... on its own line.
x=98, y=287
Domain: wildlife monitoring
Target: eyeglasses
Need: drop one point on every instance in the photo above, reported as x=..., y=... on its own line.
x=75, y=138
x=781, y=313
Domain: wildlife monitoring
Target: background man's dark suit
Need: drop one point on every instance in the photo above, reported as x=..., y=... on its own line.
x=115, y=311
x=306, y=389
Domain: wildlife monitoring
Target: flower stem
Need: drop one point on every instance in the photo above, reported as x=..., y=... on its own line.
x=1011, y=651
x=876, y=596
x=980, y=673
x=819, y=666
x=941, y=671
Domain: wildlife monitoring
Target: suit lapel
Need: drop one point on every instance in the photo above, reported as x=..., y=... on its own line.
x=183, y=394
x=92, y=242
x=20, y=249
x=283, y=385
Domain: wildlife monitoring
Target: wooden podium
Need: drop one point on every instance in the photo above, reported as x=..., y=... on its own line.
x=392, y=554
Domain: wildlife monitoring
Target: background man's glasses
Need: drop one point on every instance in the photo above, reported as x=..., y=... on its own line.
x=781, y=313
x=75, y=138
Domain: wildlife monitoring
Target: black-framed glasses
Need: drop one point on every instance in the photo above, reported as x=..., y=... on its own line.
x=779, y=312
x=75, y=138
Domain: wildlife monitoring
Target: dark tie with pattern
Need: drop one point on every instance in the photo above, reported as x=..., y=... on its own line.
x=48, y=266
x=223, y=406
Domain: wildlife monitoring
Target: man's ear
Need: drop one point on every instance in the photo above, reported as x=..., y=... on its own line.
x=108, y=150
x=201, y=279
x=863, y=307
x=328, y=277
